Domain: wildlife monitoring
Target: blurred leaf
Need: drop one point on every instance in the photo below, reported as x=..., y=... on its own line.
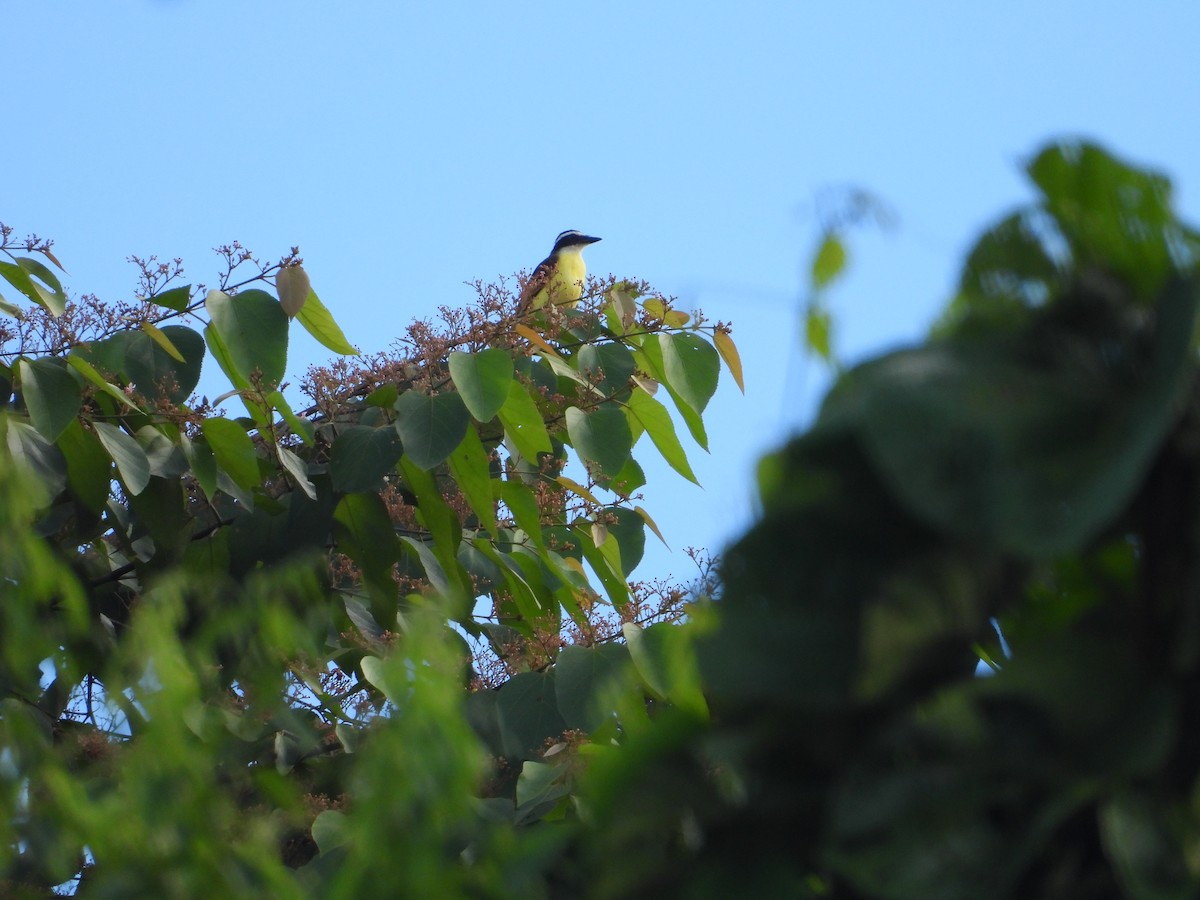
x=829, y=261
x=1112, y=215
x=817, y=324
x=330, y=830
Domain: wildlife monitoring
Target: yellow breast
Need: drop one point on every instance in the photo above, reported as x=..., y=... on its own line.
x=566, y=284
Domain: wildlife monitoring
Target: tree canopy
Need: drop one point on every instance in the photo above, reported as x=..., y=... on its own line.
x=389, y=641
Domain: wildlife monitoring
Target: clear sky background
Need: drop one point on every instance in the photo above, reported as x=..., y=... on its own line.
x=409, y=148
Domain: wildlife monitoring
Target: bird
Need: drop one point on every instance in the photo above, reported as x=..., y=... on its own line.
x=558, y=279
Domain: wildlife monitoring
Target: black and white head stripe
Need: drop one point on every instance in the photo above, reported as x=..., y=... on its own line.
x=572, y=239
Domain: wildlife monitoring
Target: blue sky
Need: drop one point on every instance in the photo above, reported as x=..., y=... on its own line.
x=408, y=148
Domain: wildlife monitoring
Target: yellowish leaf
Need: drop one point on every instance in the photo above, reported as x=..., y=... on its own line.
x=534, y=338
x=576, y=488
x=729, y=353
x=653, y=526
x=163, y=341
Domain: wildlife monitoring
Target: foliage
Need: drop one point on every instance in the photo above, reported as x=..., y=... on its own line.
x=226, y=638
x=1036, y=463
x=251, y=613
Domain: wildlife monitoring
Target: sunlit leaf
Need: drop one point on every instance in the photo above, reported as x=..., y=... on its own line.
x=318, y=321
x=655, y=419
x=523, y=424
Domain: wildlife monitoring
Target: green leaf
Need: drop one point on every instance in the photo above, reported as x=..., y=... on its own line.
x=691, y=367
x=365, y=533
x=234, y=451
x=665, y=659
x=37, y=283
x=581, y=677
x=601, y=436
x=829, y=261
x=203, y=463
x=817, y=325
x=298, y=469
x=253, y=332
x=330, y=830
x=431, y=427
x=471, y=468
x=523, y=505
x=528, y=711
x=629, y=532
x=612, y=579
x=176, y=298
x=293, y=287
x=538, y=782
x=162, y=340
x=523, y=424
x=440, y=519
x=318, y=321
x=1113, y=216
x=361, y=456
x=51, y=394
x=483, y=379
x=152, y=368
x=301, y=427
x=88, y=371
x=44, y=460
x=608, y=366
x=88, y=465
x=132, y=464
x=656, y=420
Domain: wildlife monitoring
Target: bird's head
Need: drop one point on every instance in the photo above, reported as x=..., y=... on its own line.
x=572, y=240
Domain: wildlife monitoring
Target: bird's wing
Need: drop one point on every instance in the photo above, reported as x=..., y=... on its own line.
x=538, y=280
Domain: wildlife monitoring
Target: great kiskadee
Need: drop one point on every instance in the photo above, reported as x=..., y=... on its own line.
x=558, y=279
